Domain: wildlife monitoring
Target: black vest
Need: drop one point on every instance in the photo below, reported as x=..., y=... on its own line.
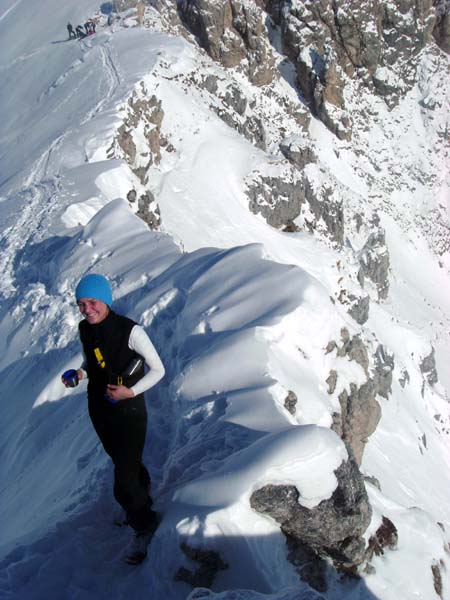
x=111, y=336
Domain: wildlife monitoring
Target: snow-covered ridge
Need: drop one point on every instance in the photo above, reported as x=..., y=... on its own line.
x=251, y=322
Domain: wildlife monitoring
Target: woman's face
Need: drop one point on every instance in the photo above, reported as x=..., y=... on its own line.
x=93, y=310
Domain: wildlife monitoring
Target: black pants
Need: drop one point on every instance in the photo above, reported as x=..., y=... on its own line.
x=121, y=428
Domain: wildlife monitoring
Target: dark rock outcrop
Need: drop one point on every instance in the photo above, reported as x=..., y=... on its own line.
x=331, y=382
x=382, y=375
x=428, y=368
x=168, y=10
x=438, y=584
x=330, y=43
x=148, y=210
x=277, y=199
x=305, y=33
x=404, y=378
x=354, y=349
x=441, y=31
x=374, y=263
x=280, y=199
x=359, y=308
x=328, y=211
x=298, y=151
x=231, y=31
x=144, y=112
x=147, y=113
x=360, y=410
x=251, y=127
x=360, y=415
x=290, y=402
x=235, y=99
x=332, y=529
x=386, y=536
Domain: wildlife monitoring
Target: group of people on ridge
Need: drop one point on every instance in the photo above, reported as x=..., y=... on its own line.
x=116, y=350
x=79, y=32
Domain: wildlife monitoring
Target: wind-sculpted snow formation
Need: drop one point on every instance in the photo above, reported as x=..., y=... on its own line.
x=265, y=183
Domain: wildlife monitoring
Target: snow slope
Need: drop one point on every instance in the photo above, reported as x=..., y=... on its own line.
x=240, y=312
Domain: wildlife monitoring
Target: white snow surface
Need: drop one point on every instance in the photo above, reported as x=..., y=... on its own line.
x=241, y=314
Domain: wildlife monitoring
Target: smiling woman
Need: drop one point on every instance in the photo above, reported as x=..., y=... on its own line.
x=115, y=349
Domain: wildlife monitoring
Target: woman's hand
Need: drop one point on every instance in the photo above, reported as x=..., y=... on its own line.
x=119, y=392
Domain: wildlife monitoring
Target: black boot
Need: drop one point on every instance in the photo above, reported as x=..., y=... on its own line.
x=137, y=549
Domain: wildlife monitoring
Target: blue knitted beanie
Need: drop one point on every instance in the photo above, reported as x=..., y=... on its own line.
x=94, y=286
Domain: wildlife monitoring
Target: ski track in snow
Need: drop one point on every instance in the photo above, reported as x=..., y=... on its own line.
x=113, y=80
x=39, y=170
x=38, y=202
x=11, y=8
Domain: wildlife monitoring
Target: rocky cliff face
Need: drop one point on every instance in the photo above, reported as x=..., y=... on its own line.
x=231, y=32
x=332, y=54
x=329, y=43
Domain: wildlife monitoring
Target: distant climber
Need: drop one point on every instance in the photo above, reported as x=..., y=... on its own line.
x=89, y=27
x=80, y=32
x=72, y=34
